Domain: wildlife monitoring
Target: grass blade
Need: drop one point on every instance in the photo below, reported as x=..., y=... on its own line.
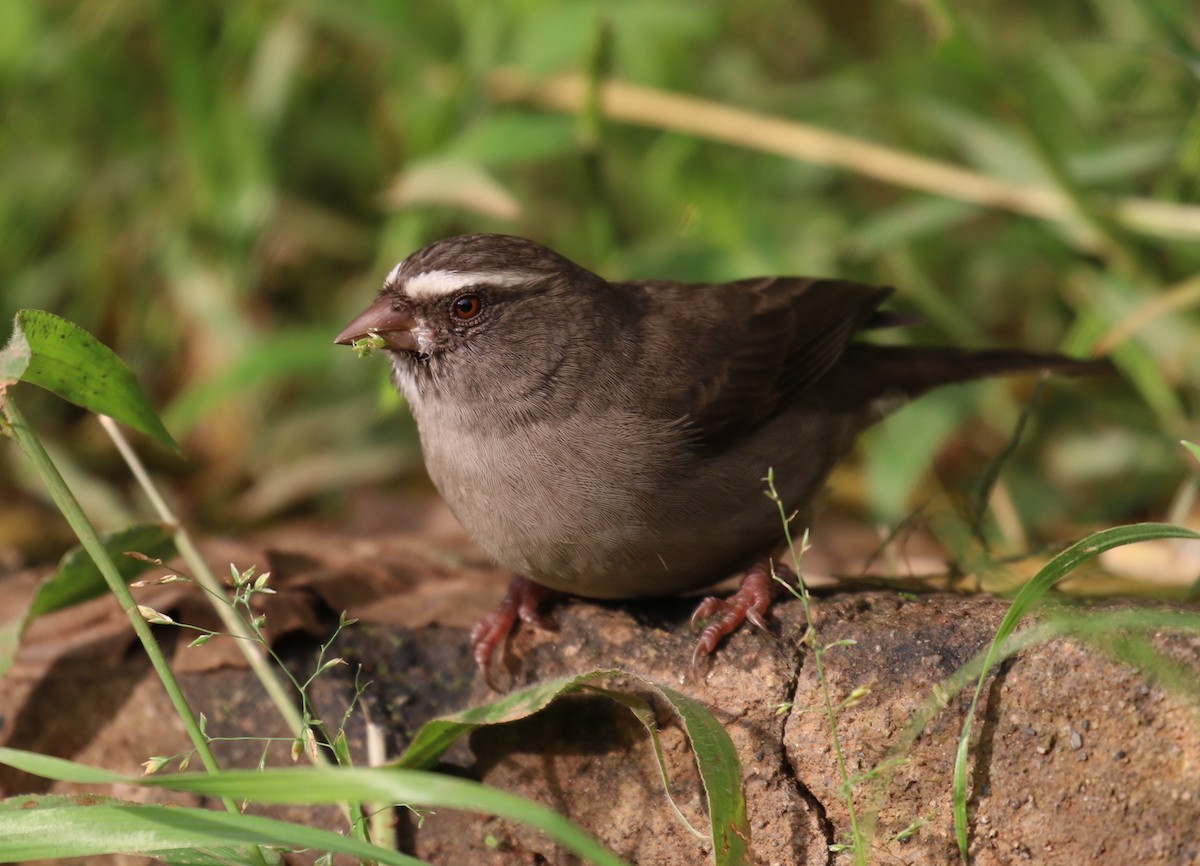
x=722, y=775
x=1054, y=571
x=327, y=786
x=54, y=827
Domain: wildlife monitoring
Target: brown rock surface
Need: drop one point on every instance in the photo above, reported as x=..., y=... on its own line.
x=1077, y=757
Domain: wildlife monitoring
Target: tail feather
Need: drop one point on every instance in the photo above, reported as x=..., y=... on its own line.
x=912, y=370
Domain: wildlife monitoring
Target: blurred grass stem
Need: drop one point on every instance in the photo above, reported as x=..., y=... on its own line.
x=247, y=642
x=1179, y=297
x=660, y=109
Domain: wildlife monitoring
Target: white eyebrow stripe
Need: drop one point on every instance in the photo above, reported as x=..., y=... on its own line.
x=437, y=284
x=393, y=274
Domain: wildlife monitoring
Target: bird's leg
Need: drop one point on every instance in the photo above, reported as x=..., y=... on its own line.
x=750, y=602
x=520, y=602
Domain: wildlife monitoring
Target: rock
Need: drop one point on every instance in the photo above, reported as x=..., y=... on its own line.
x=1077, y=756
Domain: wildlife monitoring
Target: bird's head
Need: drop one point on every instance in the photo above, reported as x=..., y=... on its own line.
x=477, y=308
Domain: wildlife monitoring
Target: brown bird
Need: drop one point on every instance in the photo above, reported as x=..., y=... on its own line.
x=611, y=439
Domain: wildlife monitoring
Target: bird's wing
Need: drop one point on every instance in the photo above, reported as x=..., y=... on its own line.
x=790, y=333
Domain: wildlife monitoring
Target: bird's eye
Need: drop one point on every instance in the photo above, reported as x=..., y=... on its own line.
x=466, y=307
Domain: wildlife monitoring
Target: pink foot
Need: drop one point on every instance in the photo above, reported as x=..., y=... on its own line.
x=750, y=602
x=521, y=602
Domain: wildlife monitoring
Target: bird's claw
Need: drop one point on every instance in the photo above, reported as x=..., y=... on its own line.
x=521, y=602
x=750, y=602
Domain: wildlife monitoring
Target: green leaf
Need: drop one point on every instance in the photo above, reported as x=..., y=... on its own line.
x=291, y=785
x=77, y=579
x=719, y=768
x=716, y=756
x=1050, y=574
x=1192, y=448
x=60, y=356
x=438, y=735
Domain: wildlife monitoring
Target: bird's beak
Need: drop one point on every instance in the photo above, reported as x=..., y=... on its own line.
x=394, y=327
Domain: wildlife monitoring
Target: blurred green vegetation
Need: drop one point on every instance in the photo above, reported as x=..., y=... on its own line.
x=214, y=189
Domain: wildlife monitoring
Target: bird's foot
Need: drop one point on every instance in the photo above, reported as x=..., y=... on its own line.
x=750, y=602
x=521, y=602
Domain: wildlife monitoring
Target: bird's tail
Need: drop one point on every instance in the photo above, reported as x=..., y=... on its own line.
x=910, y=371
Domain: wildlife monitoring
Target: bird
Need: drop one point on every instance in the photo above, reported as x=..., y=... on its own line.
x=610, y=439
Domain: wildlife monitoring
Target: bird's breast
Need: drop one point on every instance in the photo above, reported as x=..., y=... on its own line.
x=616, y=505
x=569, y=503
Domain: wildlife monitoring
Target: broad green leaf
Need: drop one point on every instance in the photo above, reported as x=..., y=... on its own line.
x=77, y=579
x=716, y=756
x=719, y=768
x=1050, y=574
x=309, y=786
x=61, y=357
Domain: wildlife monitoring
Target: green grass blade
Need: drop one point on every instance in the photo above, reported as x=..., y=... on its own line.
x=61, y=357
x=1050, y=574
x=333, y=786
x=59, y=769
x=1095, y=627
x=54, y=827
